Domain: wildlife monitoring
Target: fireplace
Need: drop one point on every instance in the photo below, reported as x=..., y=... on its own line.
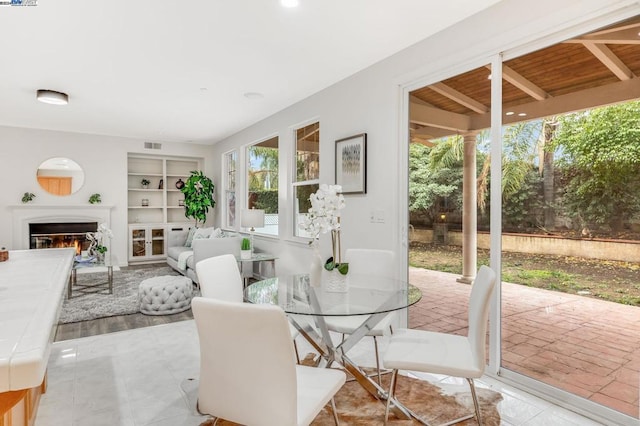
x=33, y=214
x=61, y=234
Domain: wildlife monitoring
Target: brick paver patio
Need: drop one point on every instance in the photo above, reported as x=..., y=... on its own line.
x=585, y=346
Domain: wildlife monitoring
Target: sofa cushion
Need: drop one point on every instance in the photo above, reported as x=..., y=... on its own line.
x=202, y=233
x=192, y=231
x=174, y=252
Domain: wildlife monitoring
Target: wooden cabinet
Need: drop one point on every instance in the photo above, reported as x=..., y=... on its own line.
x=153, y=207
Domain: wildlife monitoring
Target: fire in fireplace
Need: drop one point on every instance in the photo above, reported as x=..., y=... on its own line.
x=57, y=235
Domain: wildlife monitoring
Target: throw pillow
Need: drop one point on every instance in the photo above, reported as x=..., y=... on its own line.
x=217, y=233
x=202, y=233
x=192, y=232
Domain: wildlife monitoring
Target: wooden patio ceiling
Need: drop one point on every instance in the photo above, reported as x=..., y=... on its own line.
x=596, y=69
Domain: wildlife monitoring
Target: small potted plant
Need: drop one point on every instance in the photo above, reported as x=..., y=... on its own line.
x=28, y=197
x=245, y=249
x=145, y=183
x=95, y=199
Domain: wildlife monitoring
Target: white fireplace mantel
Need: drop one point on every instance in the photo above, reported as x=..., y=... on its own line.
x=25, y=214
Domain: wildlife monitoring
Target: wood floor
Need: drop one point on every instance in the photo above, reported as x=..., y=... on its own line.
x=117, y=323
x=112, y=324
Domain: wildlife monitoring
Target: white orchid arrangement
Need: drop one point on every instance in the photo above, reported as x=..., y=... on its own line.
x=324, y=214
x=98, y=238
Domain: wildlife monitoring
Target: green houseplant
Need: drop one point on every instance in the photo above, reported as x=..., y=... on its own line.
x=198, y=196
x=245, y=249
x=28, y=196
x=95, y=199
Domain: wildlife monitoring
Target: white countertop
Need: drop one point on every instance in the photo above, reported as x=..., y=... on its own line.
x=32, y=288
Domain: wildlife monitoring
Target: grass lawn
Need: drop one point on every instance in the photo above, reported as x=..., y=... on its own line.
x=603, y=279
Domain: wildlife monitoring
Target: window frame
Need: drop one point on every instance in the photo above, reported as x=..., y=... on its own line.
x=295, y=184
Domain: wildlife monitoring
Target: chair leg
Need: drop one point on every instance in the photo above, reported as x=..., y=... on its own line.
x=375, y=344
x=390, y=395
x=475, y=401
x=295, y=347
x=335, y=412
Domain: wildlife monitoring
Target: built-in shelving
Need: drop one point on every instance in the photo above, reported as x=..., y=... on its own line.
x=158, y=203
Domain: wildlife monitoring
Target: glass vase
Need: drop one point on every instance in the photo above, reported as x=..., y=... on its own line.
x=316, y=267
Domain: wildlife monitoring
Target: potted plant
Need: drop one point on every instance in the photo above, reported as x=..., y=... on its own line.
x=28, y=196
x=245, y=249
x=95, y=199
x=145, y=183
x=198, y=196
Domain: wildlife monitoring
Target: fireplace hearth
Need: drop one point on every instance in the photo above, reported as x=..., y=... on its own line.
x=61, y=234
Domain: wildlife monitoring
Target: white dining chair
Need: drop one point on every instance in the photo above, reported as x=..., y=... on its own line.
x=370, y=263
x=441, y=353
x=220, y=279
x=248, y=373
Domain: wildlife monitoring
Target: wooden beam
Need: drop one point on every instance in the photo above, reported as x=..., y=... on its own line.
x=431, y=116
x=622, y=35
x=459, y=97
x=429, y=132
x=522, y=83
x=621, y=91
x=610, y=60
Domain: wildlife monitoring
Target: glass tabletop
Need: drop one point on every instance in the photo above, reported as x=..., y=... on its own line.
x=93, y=262
x=365, y=295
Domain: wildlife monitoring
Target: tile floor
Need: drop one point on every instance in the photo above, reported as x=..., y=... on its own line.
x=586, y=346
x=139, y=377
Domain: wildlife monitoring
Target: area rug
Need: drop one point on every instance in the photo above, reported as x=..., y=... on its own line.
x=123, y=301
x=356, y=407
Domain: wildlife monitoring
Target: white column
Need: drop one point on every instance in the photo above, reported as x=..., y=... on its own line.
x=469, y=210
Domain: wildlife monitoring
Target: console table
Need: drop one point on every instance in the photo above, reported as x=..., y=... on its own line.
x=32, y=288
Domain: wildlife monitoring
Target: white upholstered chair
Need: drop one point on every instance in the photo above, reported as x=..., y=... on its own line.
x=441, y=353
x=248, y=372
x=372, y=263
x=220, y=279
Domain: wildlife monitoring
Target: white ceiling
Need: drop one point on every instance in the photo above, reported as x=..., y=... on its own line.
x=174, y=71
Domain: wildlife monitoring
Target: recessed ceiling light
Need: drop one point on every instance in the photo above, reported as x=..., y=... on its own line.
x=289, y=3
x=509, y=113
x=52, y=97
x=489, y=77
x=253, y=95
x=522, y=114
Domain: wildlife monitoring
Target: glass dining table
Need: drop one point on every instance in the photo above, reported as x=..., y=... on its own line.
x=366, y=296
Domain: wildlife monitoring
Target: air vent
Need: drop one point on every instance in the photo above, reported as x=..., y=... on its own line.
x=152, y=145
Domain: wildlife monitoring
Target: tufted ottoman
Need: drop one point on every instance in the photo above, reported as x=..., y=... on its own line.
x=164, y=295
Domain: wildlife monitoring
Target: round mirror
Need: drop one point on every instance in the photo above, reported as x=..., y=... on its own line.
x=60, y=176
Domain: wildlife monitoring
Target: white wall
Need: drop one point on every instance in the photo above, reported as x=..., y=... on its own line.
x=103, y=159
x=371, y=101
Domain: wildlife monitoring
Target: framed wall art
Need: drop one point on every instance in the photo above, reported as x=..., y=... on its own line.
x=351, y=164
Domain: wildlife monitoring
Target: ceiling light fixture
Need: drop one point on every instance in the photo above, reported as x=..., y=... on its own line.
x=522, y=114
x=289, y=3
x=509, y=113
x=52, y=97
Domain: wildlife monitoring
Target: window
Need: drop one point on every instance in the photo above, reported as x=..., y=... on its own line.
x=230, y=168
x=307, y=177
x=262, y=182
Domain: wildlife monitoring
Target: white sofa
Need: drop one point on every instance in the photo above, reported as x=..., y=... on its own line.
x=202, y=249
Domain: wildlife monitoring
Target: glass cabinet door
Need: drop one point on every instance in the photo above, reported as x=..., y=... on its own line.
x=157, y=242
x=138, y=242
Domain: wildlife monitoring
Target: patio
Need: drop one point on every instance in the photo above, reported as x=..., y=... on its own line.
x=585, y=346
